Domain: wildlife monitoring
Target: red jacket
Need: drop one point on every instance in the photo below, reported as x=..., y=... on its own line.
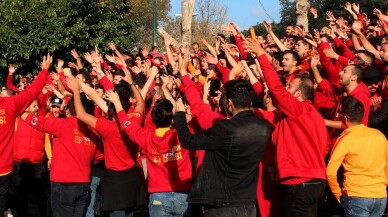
x=300, y=136
x=205, y=116
x=10, y=108
x=73, y=147
x=28, y=143
x=168, y=164
x=120, y=153
x=332, y=68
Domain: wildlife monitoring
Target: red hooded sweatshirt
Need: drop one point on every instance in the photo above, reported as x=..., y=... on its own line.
x=73, y=147
x=10, y=108
x=300, y=136
x=168, y=164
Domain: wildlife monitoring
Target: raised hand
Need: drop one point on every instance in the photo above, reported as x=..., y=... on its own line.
x=252, y=46
x=112, y=46
x=74, y=54
x=330, y=16
x=267, y=26
x=110, y=58
x=348, y=7
x=112, y=96
x=88, y=57
x=330, y=53
x=317, y=36
x=46, y=62
x=357, y=26
x=315, y=60
x=314, y=12
x=11, y=69
x=356, y=8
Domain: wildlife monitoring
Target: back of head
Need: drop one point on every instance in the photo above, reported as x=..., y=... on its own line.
x=306, y=86
x=124, y=92
x=86, y=103
x=239, y=92
x=352, y=109
x=358, y=71
x=162, y=113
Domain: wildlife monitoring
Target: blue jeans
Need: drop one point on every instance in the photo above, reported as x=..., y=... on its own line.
x=93, y=191
x=69, y=199
x=169, y=204
x=361, y=206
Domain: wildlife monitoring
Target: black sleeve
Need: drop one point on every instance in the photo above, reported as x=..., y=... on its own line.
x=375, y=118
x=210, y=139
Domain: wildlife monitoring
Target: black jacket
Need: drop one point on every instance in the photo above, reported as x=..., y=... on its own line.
x=379, y=119
x=234, y=147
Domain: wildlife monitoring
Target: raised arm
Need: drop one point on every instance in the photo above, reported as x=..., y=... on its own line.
x=140, y=104
x=287, y=103
x=22, y=100
x=150, y=80
x=79, y=108
x=357, y=26
x=75, y=55
x=280, y=45
x=92, y=94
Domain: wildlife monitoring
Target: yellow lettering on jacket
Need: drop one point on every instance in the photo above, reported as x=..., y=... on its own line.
x=173, y=155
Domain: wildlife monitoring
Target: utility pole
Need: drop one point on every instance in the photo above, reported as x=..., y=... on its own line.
x=154, y=23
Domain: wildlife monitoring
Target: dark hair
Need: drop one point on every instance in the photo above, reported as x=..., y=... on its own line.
x=86, y=103
x=124, y=92
x=306, y=86
x=239, y=92
x=278, y=56
x=295, y=55
x=357, y=70
x=97, y=86
x=352, y=109
x=369, y=55
x=162, y=113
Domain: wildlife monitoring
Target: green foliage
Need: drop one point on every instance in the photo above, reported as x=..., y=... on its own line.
x=31, y=28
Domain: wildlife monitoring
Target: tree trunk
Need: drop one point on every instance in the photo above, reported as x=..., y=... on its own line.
x=187, y=16
x=302, y=8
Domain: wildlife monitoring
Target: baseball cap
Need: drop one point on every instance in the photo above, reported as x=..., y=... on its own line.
x=56, y=102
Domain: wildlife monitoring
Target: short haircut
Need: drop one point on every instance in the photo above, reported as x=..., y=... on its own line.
x=305, y=42
x=306, y=86
x=357, y=70
x=352, y=109
x=369, y=55
x=295, y=55
x=195, y=43
x=86, y=103
x=239, y=92
x=162, y=113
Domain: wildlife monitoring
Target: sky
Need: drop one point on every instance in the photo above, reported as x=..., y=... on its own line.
x=244, y=13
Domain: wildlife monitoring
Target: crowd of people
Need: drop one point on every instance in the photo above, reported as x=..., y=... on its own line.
x=255, y=125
